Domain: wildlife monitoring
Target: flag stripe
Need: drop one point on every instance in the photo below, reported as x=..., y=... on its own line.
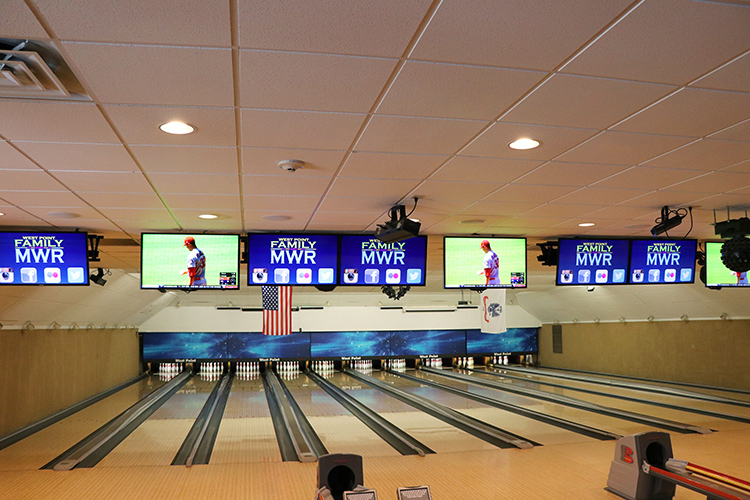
x=277, y=310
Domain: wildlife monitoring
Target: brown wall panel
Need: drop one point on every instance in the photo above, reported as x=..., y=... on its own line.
x=44, y=371
x=702, y=352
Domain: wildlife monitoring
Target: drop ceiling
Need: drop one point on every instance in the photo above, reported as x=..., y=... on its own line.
x=636, y=104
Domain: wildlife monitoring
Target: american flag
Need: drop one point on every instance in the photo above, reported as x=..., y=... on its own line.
x=277, y=310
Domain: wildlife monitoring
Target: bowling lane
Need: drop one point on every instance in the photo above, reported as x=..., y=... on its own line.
x=699, y=390
x=434, y=433
x=38, y=449
x=246, y=433
x=157, y=440
x=328, y=418
x=603, y=422
x=643, y=408
x=531, y=429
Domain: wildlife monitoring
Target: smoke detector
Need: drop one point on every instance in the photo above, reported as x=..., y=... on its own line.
x=291, y=165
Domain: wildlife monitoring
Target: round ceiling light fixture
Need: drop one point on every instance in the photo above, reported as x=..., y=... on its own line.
x=472, y=221
x=177, y=128
x=208, y=216
x=524, y=143
x=586, y=224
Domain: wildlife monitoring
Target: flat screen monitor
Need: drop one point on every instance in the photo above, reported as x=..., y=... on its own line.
x=190, y=261
x=593, y=261
x=32, y=258
x=292, y=259
x=662, y=261
x=717, y=274
x=465, y=260
x=365, y=260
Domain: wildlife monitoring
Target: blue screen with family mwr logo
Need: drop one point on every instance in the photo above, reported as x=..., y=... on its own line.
x=662, y=261
x=292, y=259
x=30, y=258
x=593, y=262
x=365, y=260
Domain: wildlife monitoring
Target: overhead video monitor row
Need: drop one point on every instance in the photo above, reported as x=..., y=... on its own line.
x=327, y=259
x=479, y=262
x=184, y=261
x=625, y=262
x=32, y=258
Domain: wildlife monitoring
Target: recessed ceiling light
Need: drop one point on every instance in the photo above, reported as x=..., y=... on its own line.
x=208, y=216
x=586, y=224
x=472, y=221
x=277, y=217
x=1, y=214
x=524, y=144
x=177, y=128
x=63, y=215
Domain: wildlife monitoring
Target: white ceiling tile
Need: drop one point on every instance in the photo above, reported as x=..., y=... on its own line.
x=690, y=112
x=196, y=183
x=623, y=148
x=721, y=202
x=648, y=177
x=137, y=214
x=739, y=132
x=356, y=204
x=452, y=190
x=602, y=196
x=264, y=203
x=397, y=134
x=140, y=125
x=130, y=74
x=298, y=129
x=578, y=101
x=569, y=174
x=456, y=91
x=523, y=192
x=18, y=21
x=658, y=199
x=51, y=199
x=494, y=170
x=524, y=222
x=182, y=22
x=104, y=199
x=430, y=206
x=334, y=26
x=254, y=221
x=75, y=156
x=555, y=140
x=26, y=120
x=391, y=165
x=22, y=180
x=357, y=219
x=670, y=41
x=713, y=183
x=12, y=159
x=560, y=210
x=54, y=215
x=16, y=217
x=207, y=201
x=620, y=213
x=733, y=76
x=296, y=184
x=498, y=208
x=265, y=161
x=467, y=32
x=227, y=219
x=123, y=182
x=372, y=188
x=743, y=166
x=704, y=155
x=318, y=82
x=193, y=159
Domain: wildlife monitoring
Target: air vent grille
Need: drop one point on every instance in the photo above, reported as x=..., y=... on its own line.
x=31, y=69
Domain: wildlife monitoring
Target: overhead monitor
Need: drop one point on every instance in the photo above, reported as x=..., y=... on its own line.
x=367, y=261
x=190, y=261
x=658, y=260
x=33, y=258
x=292, y=259
x=719, y=275
x=478, y=261
x=593, y=261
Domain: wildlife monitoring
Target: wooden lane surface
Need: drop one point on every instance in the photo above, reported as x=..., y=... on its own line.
x=41, y=447
x=528, y=428
x=328, y=418
x=647, y=409
x=246, y=434
x=604, y=422
x=157, y=440
x=577, y=470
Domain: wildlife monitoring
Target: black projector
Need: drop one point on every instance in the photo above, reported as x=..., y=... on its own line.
x=733, y=227
x=399, y=230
